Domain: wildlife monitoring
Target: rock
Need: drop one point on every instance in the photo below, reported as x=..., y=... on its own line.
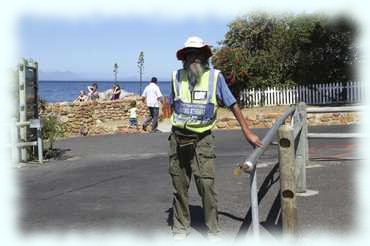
x=221, y=125
x=226, y=119
x=233, y=124
x=325, y=119
x=64, y=119
x=272, y=115
x=251, y=118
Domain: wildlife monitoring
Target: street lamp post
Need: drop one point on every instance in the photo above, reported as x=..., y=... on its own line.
x=140, y=64
x=115, y=72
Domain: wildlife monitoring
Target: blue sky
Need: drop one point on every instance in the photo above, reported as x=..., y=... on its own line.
x=89, y=48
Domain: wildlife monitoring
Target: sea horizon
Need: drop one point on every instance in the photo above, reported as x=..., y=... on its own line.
x=68, y=90
x=98, y=81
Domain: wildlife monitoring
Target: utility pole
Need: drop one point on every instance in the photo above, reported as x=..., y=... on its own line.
x=115, y=72
x=140, y=64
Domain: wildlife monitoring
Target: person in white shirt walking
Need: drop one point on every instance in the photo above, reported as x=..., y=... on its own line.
x=152, y=95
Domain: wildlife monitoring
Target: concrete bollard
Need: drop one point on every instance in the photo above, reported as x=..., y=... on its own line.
x=287, y=181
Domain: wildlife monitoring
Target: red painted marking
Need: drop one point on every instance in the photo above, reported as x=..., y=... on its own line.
x=335, y=150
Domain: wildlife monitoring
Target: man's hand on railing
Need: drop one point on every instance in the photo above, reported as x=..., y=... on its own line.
x=253, y=139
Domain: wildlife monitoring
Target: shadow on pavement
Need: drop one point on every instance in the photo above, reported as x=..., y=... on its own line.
x=57, y=154
x=197, y=219
x=273, y=221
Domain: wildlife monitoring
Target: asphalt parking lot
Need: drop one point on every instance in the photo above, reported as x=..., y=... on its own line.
x=121, y=182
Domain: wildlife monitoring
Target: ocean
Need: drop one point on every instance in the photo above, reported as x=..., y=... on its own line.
x=67, y=91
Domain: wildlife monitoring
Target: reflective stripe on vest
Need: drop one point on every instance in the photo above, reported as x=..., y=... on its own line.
x=196, y=111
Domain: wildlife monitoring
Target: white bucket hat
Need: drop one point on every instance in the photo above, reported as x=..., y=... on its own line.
x=194, y=42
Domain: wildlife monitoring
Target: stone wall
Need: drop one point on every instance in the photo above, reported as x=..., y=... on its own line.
x=96, y=118
x=266, y=118
x=110, y=117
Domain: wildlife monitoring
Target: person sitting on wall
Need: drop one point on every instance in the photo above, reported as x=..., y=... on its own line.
x=116, y=91
x=82, y=97
x=93, y=92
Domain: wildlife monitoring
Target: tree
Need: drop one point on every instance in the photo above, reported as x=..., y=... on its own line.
x=261, y=50
x=140, y=64
x=328, y=53
x=256, y=52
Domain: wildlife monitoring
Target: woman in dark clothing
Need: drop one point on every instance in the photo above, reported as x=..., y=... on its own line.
x=116, y=91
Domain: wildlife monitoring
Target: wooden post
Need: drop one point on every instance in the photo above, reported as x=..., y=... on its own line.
x=301, y=154
x=287, y=181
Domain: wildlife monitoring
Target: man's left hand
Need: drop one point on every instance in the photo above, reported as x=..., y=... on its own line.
x=254, y=140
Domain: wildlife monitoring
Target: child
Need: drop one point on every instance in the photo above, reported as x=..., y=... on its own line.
x=132, y=118
x=82, y=97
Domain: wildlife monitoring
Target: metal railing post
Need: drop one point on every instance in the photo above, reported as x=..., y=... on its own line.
x=254, y=204
x=287, y=181
x=302, y=151
x=250, y=166
x=39, y=145
x=14, y=138
x=305, y=134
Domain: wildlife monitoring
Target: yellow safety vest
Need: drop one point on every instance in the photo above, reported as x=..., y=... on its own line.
x=196, y=110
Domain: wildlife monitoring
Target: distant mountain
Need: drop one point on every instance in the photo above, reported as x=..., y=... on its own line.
x=59, y=75
x=72, y=76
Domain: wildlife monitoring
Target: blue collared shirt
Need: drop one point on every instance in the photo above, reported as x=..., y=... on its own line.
x=223, y=93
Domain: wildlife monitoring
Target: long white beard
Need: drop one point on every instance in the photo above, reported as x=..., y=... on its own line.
x=195, y=71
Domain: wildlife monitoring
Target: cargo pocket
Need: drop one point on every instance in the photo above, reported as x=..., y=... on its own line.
x=174, y=163
x=206, y=157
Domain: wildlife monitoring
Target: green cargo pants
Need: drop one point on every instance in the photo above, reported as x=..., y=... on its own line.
x=197, y=160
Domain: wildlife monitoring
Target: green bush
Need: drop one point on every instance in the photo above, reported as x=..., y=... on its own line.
x=51, y=130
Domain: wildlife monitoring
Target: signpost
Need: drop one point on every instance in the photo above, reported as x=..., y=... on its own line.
x=28, y=108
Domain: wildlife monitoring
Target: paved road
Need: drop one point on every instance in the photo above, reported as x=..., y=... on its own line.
x=120, y=182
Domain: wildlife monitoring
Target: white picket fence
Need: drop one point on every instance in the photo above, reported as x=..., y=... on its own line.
x=314, y=94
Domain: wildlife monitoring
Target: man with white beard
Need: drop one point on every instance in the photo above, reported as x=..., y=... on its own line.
x=197, y=90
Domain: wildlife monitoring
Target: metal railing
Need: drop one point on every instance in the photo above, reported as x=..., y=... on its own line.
x=293, y=147
x=250, y=166
x=334, y=110
x=16, y=145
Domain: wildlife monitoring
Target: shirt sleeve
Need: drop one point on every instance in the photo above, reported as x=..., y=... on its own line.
x=144, y=93
x=159, y=94
x=223, y=93
x=171, y=95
